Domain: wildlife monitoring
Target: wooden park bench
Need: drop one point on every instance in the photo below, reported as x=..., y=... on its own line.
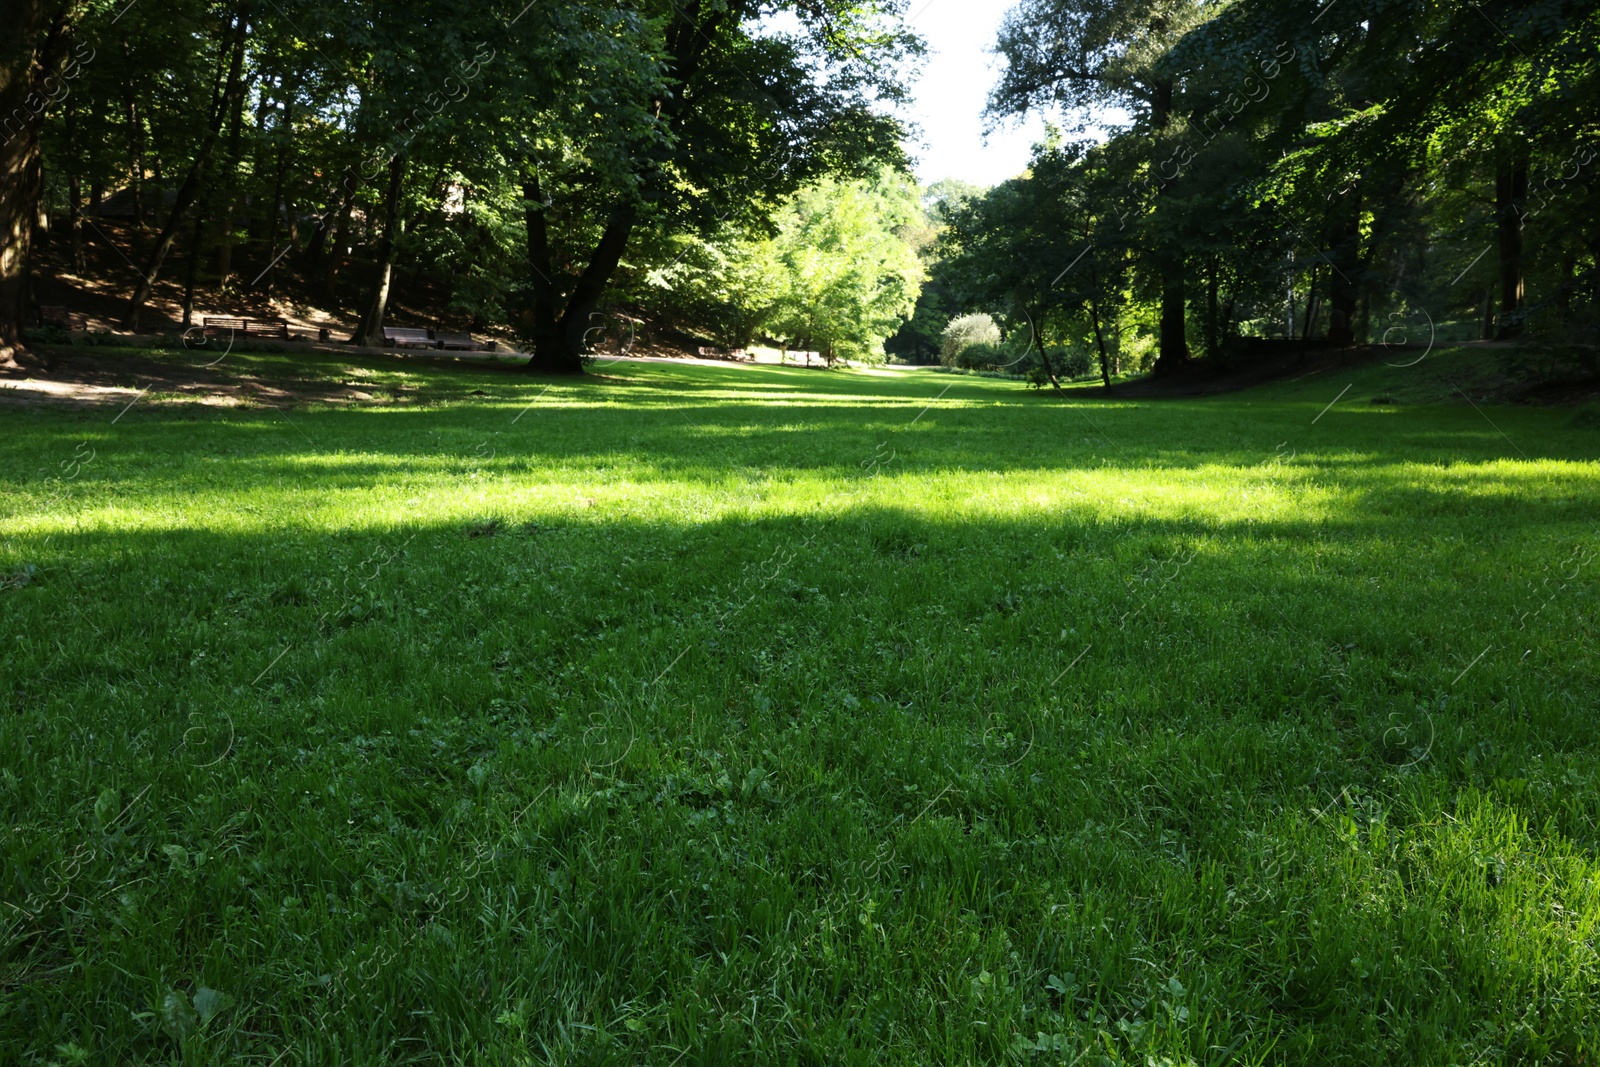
x=461, y=342
x=51, y=315
x=267, y=328
x=214, y=325
x=403, y=337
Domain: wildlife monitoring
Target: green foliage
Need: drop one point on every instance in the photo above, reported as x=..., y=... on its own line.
x=1285, y=176
x=590, y=119
x=920, y=339
x=983, y=355
x=836, y=275
x=48, y=334
x=852, y=278
x=1072, y=363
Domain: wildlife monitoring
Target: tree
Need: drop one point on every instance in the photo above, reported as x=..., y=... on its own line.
x=227, y=93
x=1080, y=54
x=851, y=278
x=1048, y=250
x=33, y=43
x=1393, y=178
x=964, y=331
x=731, y=121
x=920, y=338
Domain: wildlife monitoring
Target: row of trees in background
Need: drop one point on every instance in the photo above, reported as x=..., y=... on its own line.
x=1353, y=170
x=1360, y=170
x=529, y=157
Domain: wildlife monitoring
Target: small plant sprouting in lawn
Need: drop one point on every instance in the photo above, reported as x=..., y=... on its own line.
x=19, y=577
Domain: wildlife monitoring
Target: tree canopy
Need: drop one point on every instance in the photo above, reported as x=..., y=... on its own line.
x=523, y=151
x=1287, y=169
x=1297, y=170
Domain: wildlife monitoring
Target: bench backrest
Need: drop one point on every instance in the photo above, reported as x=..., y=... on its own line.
x=402, y=333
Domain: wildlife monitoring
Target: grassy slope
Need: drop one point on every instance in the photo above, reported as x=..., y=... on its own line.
x=696, y=715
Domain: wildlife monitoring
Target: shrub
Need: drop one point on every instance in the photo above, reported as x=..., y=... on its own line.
x=964, y=331
x=50, y=334
x=1072, y=363
x=981, y=356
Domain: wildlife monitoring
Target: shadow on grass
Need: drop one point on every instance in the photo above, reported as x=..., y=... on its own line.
x=449, y=773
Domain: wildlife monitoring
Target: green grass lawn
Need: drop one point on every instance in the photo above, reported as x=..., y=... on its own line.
x=686, y=715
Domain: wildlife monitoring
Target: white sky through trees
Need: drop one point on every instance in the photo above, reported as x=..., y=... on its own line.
x=951, y=90
x=950, y=95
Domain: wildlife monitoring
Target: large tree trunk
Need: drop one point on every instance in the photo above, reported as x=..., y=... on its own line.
x=1174, y=342
x=226, y=193
x=29, y=42
x=1510, y=193
x=557, y=326
x=578, y=319
x=1344, y=292
x=191, y=182
x=370, y=331
x=135, y=139
x=542, y=317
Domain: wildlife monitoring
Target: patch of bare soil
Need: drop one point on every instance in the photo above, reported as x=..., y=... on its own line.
x=80, y=377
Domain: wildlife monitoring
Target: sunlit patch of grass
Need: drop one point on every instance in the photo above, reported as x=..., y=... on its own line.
x=694, y=714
